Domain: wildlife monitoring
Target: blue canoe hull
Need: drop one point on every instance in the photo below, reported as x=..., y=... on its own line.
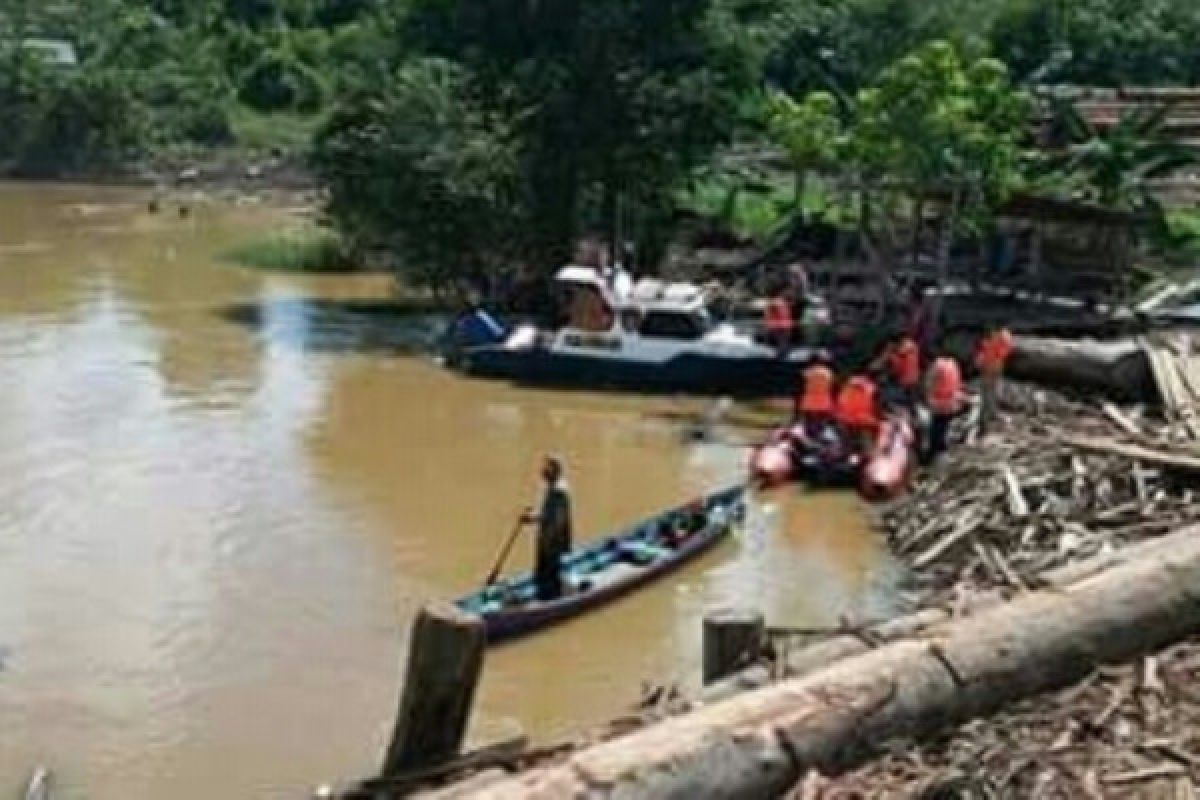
x=603, y=566
x=694, y=374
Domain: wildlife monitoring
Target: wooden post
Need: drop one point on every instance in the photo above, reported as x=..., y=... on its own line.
x=445, y=659
x=732, y=639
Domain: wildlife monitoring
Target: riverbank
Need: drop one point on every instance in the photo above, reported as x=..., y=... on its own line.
x=273, y=171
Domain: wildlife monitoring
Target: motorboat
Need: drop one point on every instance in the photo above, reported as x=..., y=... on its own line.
x=650, y=336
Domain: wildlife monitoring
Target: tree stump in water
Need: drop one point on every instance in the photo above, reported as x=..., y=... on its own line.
x=732, y=640
x=445, y=659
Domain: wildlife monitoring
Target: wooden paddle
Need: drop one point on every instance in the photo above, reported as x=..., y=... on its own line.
x=504, y=551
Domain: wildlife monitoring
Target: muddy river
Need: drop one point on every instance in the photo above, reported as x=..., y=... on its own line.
x=224, y=492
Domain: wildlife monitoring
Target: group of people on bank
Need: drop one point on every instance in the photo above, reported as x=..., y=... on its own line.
x=898, y=380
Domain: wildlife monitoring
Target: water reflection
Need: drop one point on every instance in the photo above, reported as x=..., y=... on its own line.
x=345, y=325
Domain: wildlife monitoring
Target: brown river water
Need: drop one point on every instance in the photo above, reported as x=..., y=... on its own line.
x=223, y=495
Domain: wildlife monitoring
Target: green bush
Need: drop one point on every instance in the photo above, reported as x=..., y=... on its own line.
x=87, y=120
x=277, y=82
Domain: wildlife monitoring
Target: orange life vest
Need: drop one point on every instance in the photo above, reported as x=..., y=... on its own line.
x=945, y=386
x=994, y=351
x=856, y=403
x=778, y=315
x=904, y=362
x=817, y=394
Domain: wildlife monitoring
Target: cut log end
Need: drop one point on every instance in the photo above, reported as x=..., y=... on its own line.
x=445, y=661
x=732, y=640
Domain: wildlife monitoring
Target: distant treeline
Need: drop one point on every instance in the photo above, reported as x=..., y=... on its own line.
x=465, y=134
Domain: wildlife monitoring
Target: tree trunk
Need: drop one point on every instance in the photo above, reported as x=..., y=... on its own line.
x=918, y=228
x=800, y=183
x=1118, y=369
x=945, y=242
x=760, y=743
x=612, y=219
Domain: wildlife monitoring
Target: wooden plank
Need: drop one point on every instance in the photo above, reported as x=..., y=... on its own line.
x=946, y=542
x=1017, y=505
x=1173, y=461
x=1121, y=420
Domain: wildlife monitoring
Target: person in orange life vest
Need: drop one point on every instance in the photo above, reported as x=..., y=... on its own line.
x=991, y=357
x=777, y=318
x=858, y=411
x=901, y=358
x=943, y=394
x=814, y=403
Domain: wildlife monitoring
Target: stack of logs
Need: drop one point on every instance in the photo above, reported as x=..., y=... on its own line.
x=1129, y=731
x=1063, y=481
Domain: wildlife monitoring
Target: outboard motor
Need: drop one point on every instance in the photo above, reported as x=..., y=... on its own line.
x=472, y=329
x=478, y=327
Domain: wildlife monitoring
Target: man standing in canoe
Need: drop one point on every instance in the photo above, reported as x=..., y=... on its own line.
x=553, y=522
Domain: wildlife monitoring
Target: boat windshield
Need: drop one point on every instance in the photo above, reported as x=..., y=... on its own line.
x=684, y=325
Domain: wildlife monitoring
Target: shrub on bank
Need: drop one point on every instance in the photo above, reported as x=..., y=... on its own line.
x=307, y=249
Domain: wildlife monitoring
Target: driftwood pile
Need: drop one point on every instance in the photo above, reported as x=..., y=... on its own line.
x=1060, y=481
x=1131, y=731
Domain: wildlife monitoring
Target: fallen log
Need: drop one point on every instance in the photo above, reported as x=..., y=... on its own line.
x=818, y=655
x=501, y=754
x=1118, y=369
x=762, y=742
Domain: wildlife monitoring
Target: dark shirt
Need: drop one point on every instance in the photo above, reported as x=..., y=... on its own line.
x=554, y=522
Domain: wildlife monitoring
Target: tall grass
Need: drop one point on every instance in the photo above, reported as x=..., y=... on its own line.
x=290, y=132
x=307, y=249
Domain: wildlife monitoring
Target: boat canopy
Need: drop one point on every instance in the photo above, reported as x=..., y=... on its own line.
x=647, y=294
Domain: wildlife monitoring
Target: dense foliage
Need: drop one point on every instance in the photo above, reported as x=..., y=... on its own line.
x=155, y=74
x=461, y=134
x=607, y=106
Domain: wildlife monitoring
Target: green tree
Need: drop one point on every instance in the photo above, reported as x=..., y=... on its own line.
x=808, y=131
x=610, y=100
x=1100, y=42
x=843, y=45
x=420, y=169
x=938, y=126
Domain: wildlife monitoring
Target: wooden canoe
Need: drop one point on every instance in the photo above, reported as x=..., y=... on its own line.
x=610, y=567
